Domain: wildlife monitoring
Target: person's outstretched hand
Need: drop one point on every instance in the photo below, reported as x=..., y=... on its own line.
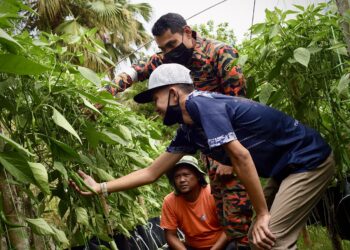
x=88, y=183
x=262, y=236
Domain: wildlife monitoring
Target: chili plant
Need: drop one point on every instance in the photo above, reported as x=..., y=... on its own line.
x=50, y=129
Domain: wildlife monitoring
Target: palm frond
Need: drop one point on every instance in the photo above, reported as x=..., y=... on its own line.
x=51, y=12
x=105, y=9
x=144, y=9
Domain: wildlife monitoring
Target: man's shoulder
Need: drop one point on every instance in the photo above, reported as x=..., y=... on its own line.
x=198, y=97
x=207, y=191
x=170, y=198
x=211, y=45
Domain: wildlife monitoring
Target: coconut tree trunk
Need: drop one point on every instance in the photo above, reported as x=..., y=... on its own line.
x=12, y=209
x=3, y=244
x=343, y=6
x=37, y=240
x=17, y=237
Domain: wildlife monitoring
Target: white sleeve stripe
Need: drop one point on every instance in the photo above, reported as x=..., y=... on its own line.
x=220, y=140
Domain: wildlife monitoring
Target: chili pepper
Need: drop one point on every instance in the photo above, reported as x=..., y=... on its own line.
x=80, y=182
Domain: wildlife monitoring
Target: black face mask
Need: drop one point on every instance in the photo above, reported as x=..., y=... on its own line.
x=181, y=55
x=173, y=114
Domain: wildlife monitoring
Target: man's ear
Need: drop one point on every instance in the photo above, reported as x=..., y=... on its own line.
x=188, y=31
x=173, y=92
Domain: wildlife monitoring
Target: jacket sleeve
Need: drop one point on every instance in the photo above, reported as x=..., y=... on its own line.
x=231, y=76
x=137, y=73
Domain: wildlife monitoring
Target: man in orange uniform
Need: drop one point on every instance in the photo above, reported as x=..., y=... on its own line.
x=191, y=208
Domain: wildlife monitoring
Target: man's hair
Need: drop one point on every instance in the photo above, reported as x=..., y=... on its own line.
x=187, y=88
x=172, y=21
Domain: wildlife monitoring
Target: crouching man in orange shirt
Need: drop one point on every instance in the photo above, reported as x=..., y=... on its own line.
x=191, y=208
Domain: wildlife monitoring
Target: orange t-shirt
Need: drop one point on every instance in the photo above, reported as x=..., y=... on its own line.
x=197, y=220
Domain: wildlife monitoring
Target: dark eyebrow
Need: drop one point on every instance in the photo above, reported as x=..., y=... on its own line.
x=168, y=44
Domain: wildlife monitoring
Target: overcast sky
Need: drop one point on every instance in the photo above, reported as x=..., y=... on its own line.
x=238, y=13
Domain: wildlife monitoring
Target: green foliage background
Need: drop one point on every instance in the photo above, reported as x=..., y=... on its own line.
x=296, y=61
x=50, y=129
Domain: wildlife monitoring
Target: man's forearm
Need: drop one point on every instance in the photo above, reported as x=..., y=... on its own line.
x=144, y=176
x=173, y=241
x=220, y=243
x=244, y=167
x=175, y=244
x=135, y=179
x=247, y=173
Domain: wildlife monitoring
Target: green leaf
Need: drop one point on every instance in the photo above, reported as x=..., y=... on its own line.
x=242, y=59
x=89, y=104
x=126, y=195
x=41, y=177
x=314, y=50
x=300, y=7
x=40, y=226
x=339, y=48
x=8, y=41
x=86, y=160
x=265, y=92
x=60, y=168
x=100, y=159
x=15, y=144
x=60, y=236
x=90, y=75
x=82, y=216
x=251, y=87
x=289, y=12
x=155, y=133
x=257, y=28
x=61, y=121
x=20, y=65
x=67, y=149
x=342, y=51
x=343, y=85
x=302, y=56
x=274, y=31
x=275, y=72
x=140, y=160
x=122, y=229
x=72, y=39
x=112, y=138
x=124, y=132
x=17, y=167
x=92, y=135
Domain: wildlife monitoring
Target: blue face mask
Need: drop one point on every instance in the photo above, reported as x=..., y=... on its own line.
x=173, y=114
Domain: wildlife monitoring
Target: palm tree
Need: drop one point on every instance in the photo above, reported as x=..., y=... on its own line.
x=117, y=26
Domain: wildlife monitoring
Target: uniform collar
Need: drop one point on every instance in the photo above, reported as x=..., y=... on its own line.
x=198, y=54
